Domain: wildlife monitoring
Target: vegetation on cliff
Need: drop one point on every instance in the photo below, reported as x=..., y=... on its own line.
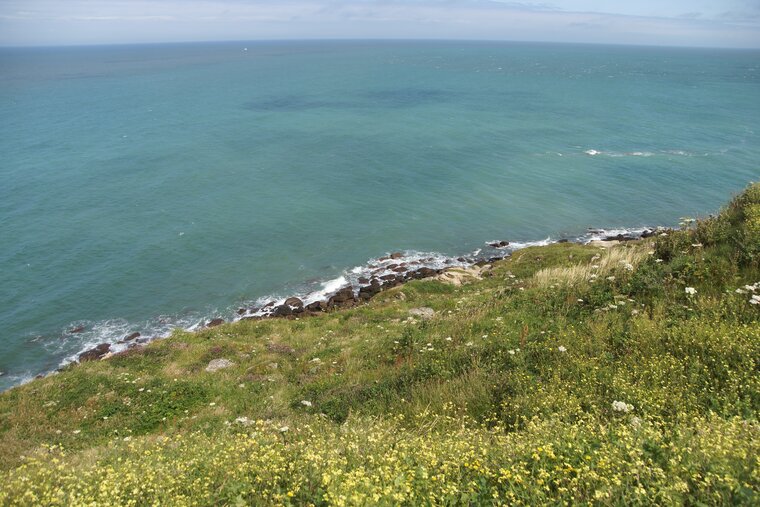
x=569, y=373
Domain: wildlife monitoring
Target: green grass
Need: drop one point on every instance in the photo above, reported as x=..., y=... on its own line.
x=504, y=396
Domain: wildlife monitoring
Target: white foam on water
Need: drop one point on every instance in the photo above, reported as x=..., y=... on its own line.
x=517, y=245
x=601, y=234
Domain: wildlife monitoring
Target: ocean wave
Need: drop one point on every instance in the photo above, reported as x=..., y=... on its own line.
x=642, y=153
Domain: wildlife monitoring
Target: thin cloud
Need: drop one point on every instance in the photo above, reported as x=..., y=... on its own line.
x=644, y=22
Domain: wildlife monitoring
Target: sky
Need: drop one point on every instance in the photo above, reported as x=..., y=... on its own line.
x=701, y=23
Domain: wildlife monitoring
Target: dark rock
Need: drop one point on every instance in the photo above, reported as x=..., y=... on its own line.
x=482, y=263
x=131, y=337
x=343, y=295
x=294, y=302
x=75, y=330
x=461, y=259
x=215, y=322
x=269, y=305
x=369, y=291
x=648, y=234
x=423, y=273
x=396, y=255
x=282, y=311
x=95, y=353
x=395, y=281
x=363, y=279
x=399, y=269
x=388, y=277
x=563, y=240
x=317, y=306
x=384, y=259
x=619, y=237
x=499, y=244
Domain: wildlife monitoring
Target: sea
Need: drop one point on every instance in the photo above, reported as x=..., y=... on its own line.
x=145, y=188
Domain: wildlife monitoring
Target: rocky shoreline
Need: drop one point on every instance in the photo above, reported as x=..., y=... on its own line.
x=388, y=272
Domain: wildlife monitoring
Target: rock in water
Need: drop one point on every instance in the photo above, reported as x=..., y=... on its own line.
x=215, y=322
x=294, y=303
x=95, y=353
x=218, y=364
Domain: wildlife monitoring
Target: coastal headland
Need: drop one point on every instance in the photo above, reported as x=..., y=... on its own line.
x=612, y=373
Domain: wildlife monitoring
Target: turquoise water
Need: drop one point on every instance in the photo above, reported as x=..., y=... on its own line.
x=147, y=187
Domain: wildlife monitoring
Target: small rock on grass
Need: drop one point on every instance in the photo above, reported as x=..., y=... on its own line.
x=423, y=312
x=218, y=364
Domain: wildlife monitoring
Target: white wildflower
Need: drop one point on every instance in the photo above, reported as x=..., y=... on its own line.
x=697, y=245
x=511, y=352
x=284, y=429
x=561, y=348
x=621, y=406
x=658, y=261
x=306, y=403
x=754, y=300
x=690, y=291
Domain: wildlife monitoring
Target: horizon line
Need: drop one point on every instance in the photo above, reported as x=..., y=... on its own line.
x=374, y=39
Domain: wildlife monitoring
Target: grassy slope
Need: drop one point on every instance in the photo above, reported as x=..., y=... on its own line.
x=477, y=404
